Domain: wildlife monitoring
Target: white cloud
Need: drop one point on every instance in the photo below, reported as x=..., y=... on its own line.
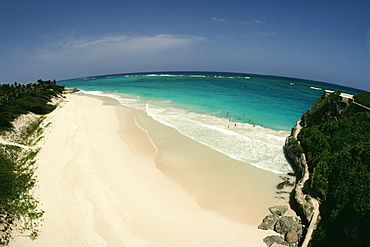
x=252, y=22
x=113, y=47
x=76, y=57
x=244, y=22
x=225, y=37
x=219, y=20
x=267, y=33
x=313, y=29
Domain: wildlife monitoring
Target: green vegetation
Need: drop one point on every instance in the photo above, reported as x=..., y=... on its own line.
x=336, y=142
x=19, y=210
x=326, y=108
x=17, y=99
x=294, y=145
x=363, y=99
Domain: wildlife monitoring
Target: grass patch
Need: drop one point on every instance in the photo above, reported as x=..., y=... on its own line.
x=19, y=208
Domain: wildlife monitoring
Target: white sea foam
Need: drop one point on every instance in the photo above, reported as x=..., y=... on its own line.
x=258, y=146
x=161, y=75
x=99, y=93
x=229, y=132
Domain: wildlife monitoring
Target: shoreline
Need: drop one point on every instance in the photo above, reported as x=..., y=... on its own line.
x=103, y=183
x=270, y=146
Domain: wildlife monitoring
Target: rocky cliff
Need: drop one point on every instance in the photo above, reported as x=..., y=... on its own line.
x=302, y=191
x=331, y=107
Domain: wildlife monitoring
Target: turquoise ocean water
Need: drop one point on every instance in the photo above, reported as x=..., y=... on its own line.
x=244, y=116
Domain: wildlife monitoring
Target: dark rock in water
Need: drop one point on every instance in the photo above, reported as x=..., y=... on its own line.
x=283, y=184
x=291, y=174
x=270, y=240
x=278, y=210
x=288, y=223
x=292, y=237
x=269, y=222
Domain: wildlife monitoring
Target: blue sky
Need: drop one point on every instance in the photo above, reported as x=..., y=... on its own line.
x=320, y=40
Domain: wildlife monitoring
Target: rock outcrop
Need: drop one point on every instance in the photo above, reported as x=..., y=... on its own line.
x=293, y=150
x=331, y=106
x=308, y=205
x=290, y=228
x=278, y=210
x=292, y=237
x=288, y=224
x=274, y=239
x=283, y=184
x=268, y=223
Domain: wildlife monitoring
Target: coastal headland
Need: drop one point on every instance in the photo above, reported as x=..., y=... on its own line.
x=112, y=176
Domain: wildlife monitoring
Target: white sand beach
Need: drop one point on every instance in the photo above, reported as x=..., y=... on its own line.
x=103, y=183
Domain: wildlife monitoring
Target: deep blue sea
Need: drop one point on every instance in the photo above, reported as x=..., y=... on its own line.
x=244, y=116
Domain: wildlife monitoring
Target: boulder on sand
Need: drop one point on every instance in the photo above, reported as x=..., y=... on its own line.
x=288, y=223
x=278, y=210
x=269, y=222
x=270, y=240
